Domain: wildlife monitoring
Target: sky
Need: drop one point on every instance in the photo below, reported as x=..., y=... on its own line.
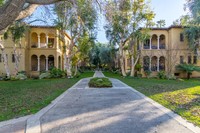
x=169, y=10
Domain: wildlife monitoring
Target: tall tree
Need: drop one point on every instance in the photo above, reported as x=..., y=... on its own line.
x=77, y=19
x=192, y=23
x=160, y=23
x=124, y=18
x=16, y=32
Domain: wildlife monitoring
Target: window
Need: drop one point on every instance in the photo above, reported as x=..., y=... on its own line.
x=195, y=60
x=176, y=74
x=146, y=44
x=13, y=58
x=181, y=59
x=189, y=59
x=181, y=37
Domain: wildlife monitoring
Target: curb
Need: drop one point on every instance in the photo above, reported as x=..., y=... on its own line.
x=33, y=123
x=14, y=121
x=167, y=111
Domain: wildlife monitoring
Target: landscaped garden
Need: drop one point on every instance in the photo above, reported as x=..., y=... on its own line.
x=20, y=98
x=183, y=97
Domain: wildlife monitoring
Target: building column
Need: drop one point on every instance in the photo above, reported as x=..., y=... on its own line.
x=47, y=41
x=158, y=63
x=47, y=60
x=150, y=64
x=38, y=63
x=150, y=43
x=158, y=47
x=38, y=41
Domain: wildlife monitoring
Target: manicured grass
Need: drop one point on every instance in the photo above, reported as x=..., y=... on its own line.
x=183, y=97
x=100, y=82
x=19, y=98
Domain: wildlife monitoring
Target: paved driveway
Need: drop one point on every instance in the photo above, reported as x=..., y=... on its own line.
x=107, y=110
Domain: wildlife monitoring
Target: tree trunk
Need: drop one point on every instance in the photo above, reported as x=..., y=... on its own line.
x=65, y=62
x=17, y=60
x=5, y=62
x=188, y=75
x=68, y=67
x=132, y=66
x=76, y=69
x=121, y=56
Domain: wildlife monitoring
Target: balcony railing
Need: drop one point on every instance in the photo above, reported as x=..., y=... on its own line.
x=154, y=47
x=42, y=45
x=162, y=46
x=147, y=46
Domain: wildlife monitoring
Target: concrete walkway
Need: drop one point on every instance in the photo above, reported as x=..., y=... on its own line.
x=107, y=110
x=119, y=109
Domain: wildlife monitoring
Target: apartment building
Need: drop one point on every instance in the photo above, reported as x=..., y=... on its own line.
x=41, y=48
x=166, y=48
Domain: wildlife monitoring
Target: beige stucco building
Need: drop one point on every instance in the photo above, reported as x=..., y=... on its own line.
x=166, y=48
x=41, y=48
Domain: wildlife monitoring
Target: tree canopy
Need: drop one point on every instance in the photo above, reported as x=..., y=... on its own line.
x=12, y=10
x=124, y=19
x=192, y=23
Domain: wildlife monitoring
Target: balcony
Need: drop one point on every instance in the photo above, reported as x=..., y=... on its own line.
x=147, y=46
x=154, y=47
x=162, y=46
x=42, y=45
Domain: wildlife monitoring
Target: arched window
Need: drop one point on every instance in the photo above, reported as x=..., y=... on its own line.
x=50, y=61
x=34, y=63
x=162, y=63
x=34, y=40
x=42, y=63
x=154, y=63
x=162, y=42
x=146, y=63
x=154, y=41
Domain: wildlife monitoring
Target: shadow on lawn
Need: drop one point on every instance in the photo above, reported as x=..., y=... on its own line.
x=155, y=86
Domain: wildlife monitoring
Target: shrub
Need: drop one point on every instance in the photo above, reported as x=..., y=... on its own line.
x=139, y=75
x=188, y=68
x=138, y=67
x=22, y=72
x=161, y=75
x=100, y=82
x=77, y=74
x=57, y=73
x=171, y=77
x=46, y=75
x=13, y=78
x=147, y=73
x=21, y=76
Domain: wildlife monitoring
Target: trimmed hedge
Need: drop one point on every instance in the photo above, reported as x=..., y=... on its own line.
x=100, y=83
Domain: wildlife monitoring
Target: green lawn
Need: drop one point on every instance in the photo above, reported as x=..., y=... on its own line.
x=19, y=98
x=183, y=97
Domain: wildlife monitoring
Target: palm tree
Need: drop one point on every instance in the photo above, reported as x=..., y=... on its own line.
x=188, y=68
x=161, y=23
